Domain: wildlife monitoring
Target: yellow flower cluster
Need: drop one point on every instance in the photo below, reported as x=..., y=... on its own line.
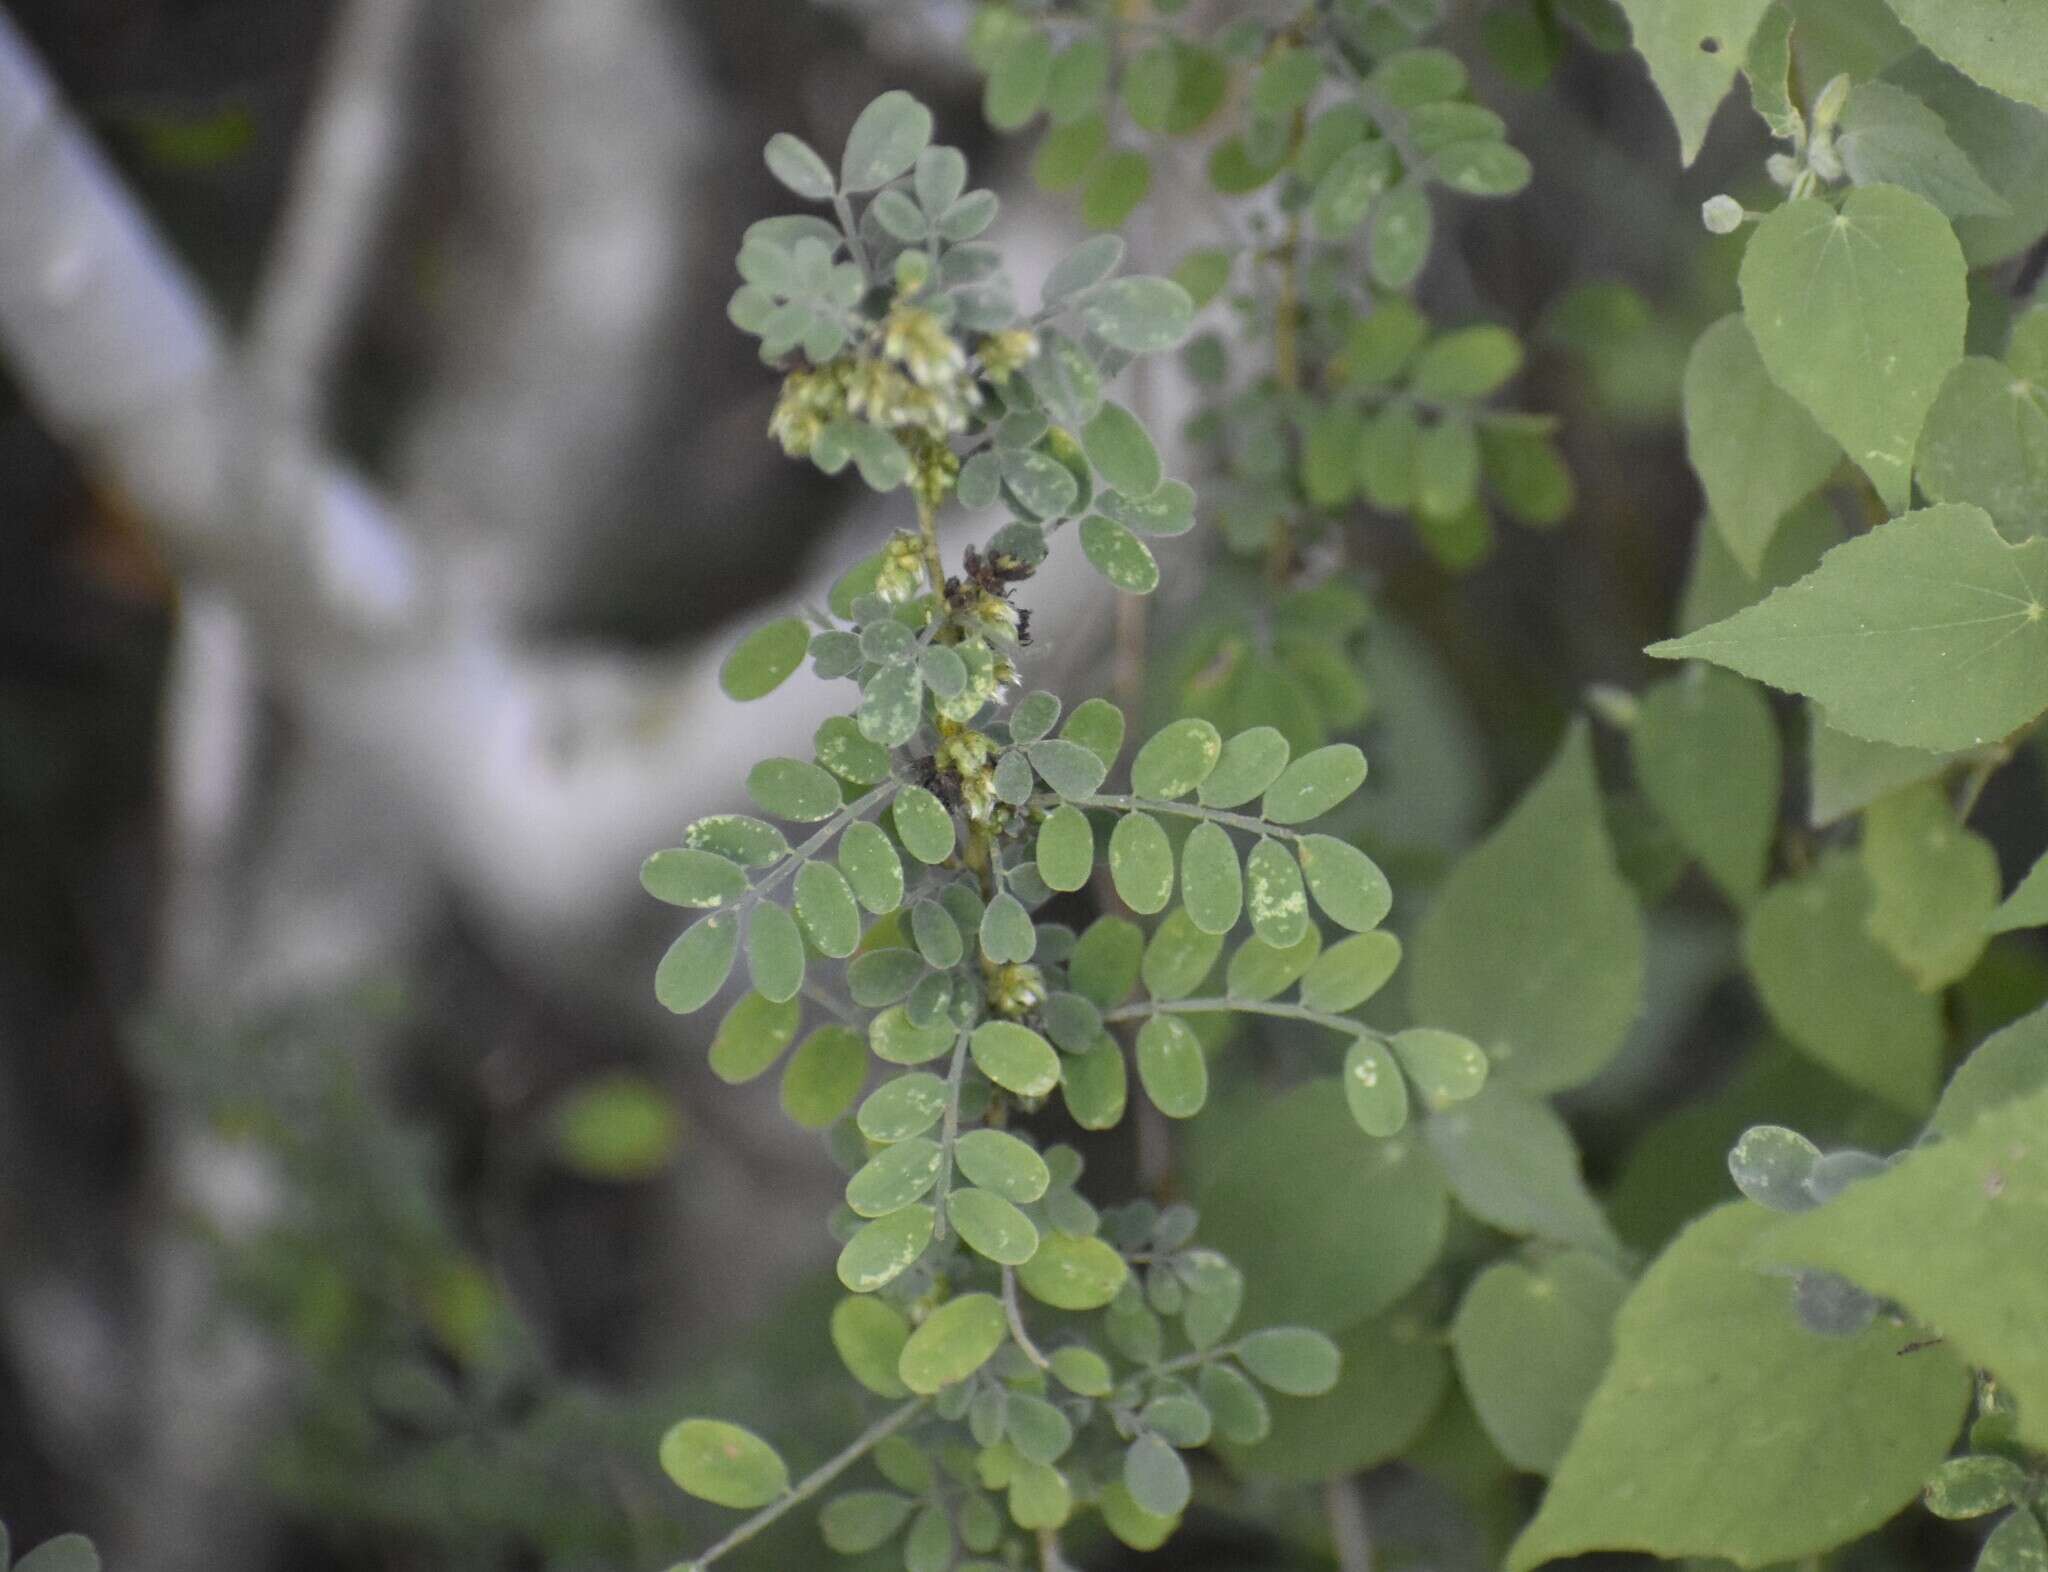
x=1006, y=353
x=902, y=572
x=1015, y=989
x=987, y=675
x=964, y=754
x=810, y=401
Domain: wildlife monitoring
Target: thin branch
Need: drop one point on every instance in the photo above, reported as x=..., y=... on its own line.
x=1220, y=1003
x=343, y=181
x=1350, y=1528
x=1014, y=1314
x=1125, y=802
x=949, y=1134
x=812, y=1483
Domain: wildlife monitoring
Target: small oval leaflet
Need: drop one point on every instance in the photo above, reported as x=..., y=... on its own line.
x=1098, y=726
x=1178, y=957
x=1182, y=1421
x=1066, y=848
x=1261, y=969
x=765, y=658
x=1291, y=1359
x=896, y=1039
x=926, y=828
x=992, y=1227
x=775, y=953
x=884, y=141
x=955, y=1340
x=1122, y=452
x=1212, y=883
x=1041, y=484
x=1374, y=1089
x=682, y=876
x=1167, y=510
x=1771, y=1165
x=888, y=642
x=1346, y=883
x=752, y=843
x=841, y=748
x=723, y=1464
x=936, y=934
x=791, y=789
x=872, y=868
x=1402, y=228
x=1139, y=314
x=1314, y=784
x=891, y=706
x=1141, y=863
x=906, y=1106
x=869, y=1335
x=1015, y=1058
x=894, y=1178
x=1035, y=716
x=824, y=1076
x=863, y=1520
x=752, y=1036
x=1445, y=1067
x=1087, y=265
x=1250, y=762
x=1073, y=1274
x=1007, y=935
x=1156, y=1476
x=1096, y=1086
x=698, y=963
x=1350, y=972
x=1172, y=1068
x=1966, y=1487
x=885, y=1248
x=1118, y=555
x=1176, y=759
x=1467, y=364
x=1237, y=1408
x=825, y=908
x=998, y=1161
x=1279, y=908
x=1069, y=768
x=1104, y=966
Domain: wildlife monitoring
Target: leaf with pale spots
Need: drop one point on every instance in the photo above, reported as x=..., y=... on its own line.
x=1374, y=1089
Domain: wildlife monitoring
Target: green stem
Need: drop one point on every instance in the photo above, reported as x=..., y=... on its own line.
x=1014, y=1313
x=1350, y=1528
x=854, y=248
x=813, y=1482
x=799, y=855
x=949, y=1134
x=934, y=565
x=1216, y=1004
x=1125, y=802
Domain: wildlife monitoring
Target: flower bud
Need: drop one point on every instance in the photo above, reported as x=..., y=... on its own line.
x=1722, y=214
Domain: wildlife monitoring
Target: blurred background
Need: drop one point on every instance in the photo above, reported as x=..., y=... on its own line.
x=380, y=485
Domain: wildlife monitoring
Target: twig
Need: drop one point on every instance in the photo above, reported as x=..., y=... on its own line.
x=1014, y=1313
x=343, y=181
x=812, y=1483
x=1350, y=1529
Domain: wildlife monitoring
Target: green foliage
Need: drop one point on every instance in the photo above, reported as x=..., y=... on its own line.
x=1925, y=633
x=1534, y=945
x=1935, y=1233
x=1010, y=915
x=1746, y=1437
